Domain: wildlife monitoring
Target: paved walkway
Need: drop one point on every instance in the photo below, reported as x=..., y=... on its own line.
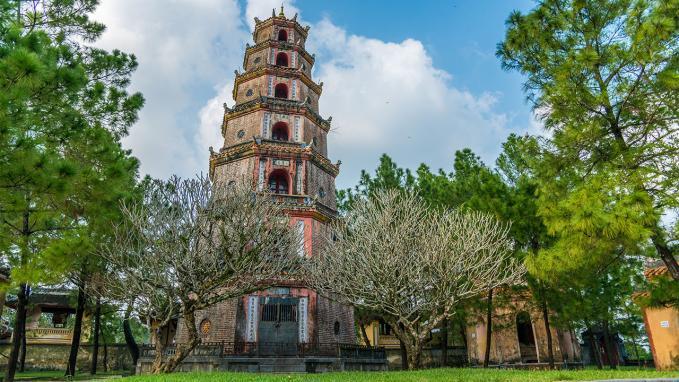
x=638, y=380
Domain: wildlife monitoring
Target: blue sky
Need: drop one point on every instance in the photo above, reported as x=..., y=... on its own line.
x=459, y=35
x=417, y=80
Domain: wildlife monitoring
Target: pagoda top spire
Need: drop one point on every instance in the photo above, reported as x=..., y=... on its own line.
x=264, y=29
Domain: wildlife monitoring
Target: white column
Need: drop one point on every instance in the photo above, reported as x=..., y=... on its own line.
x=253, y=315
x=297, y=133
x=260, y=177
x=302, y=315
x=266, y=122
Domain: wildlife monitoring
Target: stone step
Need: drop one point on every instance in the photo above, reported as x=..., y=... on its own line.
x=282, y=368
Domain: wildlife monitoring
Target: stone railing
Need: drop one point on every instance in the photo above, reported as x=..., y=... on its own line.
x=49, y=332
x=49, y=335
x=387, y=340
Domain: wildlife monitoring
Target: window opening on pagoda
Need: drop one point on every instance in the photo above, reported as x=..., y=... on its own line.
x=282, y=59
x=282, y=35
x=278, y=182
x=281, y=91
x=279, y=132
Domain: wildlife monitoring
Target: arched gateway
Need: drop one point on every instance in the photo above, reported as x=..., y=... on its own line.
x=267, y=137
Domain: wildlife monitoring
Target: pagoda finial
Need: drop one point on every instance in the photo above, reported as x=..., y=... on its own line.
x=281, y=14
x=273, y=12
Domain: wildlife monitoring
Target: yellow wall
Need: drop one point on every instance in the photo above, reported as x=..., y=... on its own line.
x=372, y=331
x=662, y=326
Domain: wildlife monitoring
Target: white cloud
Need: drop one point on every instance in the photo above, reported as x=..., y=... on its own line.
x=388, y=97
x=211, y=116
x=184, y=48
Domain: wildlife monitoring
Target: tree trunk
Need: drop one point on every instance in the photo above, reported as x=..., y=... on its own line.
x=545, y=317
x=593, y=343
x=444, y=343
x=19, y=320
x=129, y=337
x=463, y=334
x=666, y=254
x=77, y=330
x=489, y=327
x=96, y=330
x=22, y=355
x=610, y=352
x=105, y=363
x=183, y=350
x=636, y=350
x=414, y=354
x=361, y=327
x=158, y=358
x=404, y=355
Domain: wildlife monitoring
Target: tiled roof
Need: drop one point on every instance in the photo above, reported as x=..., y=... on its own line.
x=654, y=272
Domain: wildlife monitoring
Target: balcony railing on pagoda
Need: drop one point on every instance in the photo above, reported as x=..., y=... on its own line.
x=302, y=201
x=275, y=349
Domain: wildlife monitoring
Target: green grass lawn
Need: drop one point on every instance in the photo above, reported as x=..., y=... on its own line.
x=432, y=375
x=58, y=375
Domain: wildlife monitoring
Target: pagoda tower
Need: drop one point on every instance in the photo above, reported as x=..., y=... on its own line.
x=275, y=136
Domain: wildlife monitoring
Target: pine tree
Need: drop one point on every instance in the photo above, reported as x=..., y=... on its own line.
x=63, y=109
x=604, y=76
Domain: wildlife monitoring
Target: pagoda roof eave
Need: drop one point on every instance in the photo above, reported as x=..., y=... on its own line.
x=259, y=146
x=250, y=49
x=275, y=104
x=280, y=71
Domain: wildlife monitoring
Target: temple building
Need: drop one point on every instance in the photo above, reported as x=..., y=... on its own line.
x=518, y=338
x=275, y=137
x=662, y=326
x=46, y=317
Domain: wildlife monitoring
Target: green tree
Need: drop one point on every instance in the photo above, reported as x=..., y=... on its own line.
x=604, y=77
x=63, y=109
x=528, y=229
x=387, y=176
x=472, y=186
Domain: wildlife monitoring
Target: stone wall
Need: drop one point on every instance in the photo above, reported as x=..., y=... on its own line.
x=330, y=312
x=431, y=357
x=250, y=124
x=504, y=341
x=222, y=326
x=55, y=357
x=238, y=171
x=317, y=178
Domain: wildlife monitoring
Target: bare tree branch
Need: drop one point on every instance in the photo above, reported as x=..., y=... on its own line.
x=412, y=264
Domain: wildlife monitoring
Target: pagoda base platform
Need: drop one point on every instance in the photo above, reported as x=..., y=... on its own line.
x=212, y=357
